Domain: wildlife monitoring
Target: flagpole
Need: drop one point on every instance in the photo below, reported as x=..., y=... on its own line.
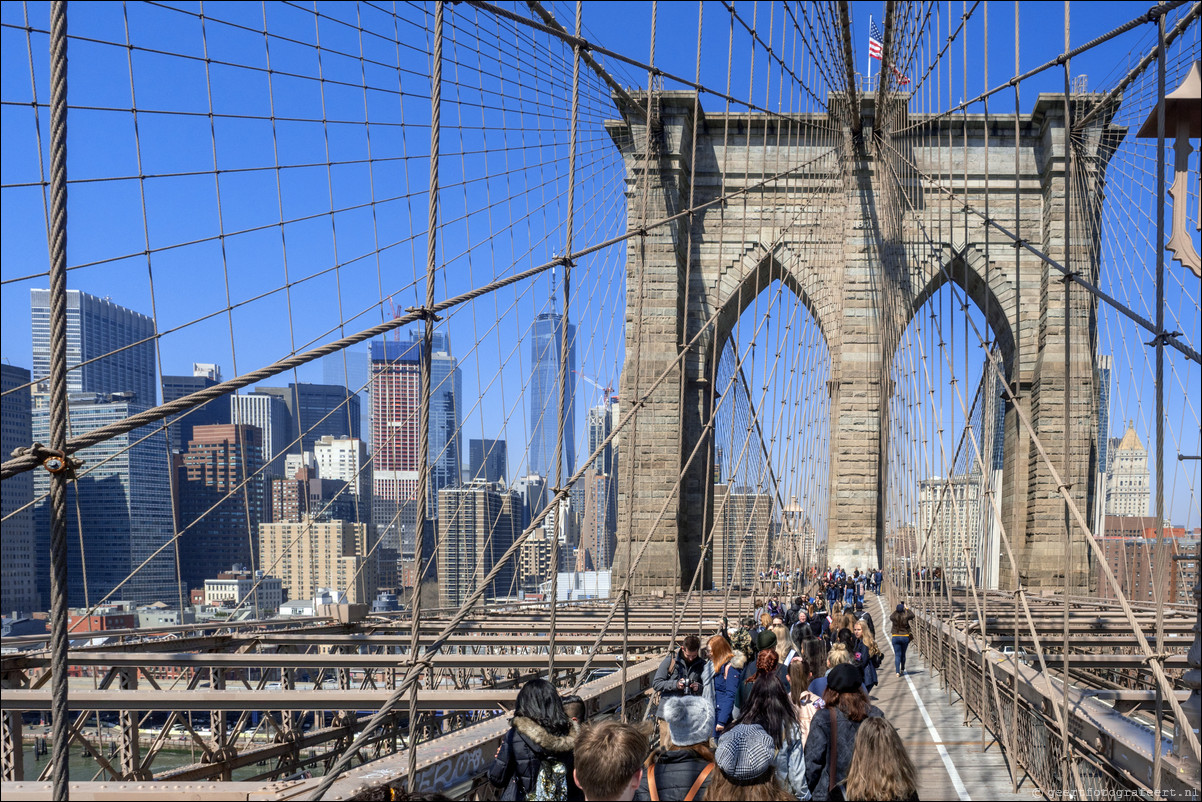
x=869, y=86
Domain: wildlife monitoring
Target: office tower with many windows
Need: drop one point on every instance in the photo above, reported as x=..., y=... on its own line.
x=950, y=523
x=221, y=492
x=743, y=535
x=601, y=420
x=545, y=345
x=479, y=522
x=110, y=349
x=396, y=404
x=125, y=496
x=488, y=460
x=269, y=413
x=18, y=558
x=124, y=506
x=1129, y=484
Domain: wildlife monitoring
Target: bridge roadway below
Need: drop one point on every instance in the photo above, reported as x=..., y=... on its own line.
x=955, y=756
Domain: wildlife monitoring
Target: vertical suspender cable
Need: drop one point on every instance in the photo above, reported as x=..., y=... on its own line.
x=1016, y=379
x=423, y=440
x=563, y=342
x=1159, y=553
x=58, y=395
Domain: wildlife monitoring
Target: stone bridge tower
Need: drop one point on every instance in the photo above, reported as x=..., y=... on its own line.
x=856, y=227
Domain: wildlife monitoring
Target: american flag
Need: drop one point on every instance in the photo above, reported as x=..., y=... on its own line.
x=874, y=41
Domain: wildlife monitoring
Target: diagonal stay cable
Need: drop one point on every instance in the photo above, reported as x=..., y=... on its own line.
x=27, y=461
x=1151, y=15
x=1069, y=275
x=419, y=664
x=1063, y=490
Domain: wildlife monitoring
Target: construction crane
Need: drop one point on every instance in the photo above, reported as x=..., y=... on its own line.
x=607, y=389
x=396, y=313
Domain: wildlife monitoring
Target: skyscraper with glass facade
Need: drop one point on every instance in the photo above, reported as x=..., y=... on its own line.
x=18, y=558
x=119, y=510
x=212, y=413
x=545, y=345
x=487, y=460
x=110, y=349
x=316, y=411
x=124, y=497
x=351, y=368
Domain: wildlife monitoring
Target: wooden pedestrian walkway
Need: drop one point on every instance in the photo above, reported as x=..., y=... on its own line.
x=953, y=761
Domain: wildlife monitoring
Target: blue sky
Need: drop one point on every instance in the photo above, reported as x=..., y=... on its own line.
x=313, y=249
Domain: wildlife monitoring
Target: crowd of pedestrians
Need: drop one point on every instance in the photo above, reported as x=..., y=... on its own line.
x=775, y=706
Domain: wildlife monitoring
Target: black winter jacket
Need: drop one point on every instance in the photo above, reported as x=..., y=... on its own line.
x=675, y=773
x=525, y=747
x=675, y=668
x=817, y=751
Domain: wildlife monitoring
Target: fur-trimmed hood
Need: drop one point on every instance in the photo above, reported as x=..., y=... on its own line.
x=738, y=660
x=538, y=736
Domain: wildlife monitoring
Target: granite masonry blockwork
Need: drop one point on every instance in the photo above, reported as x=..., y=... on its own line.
x=857, y=229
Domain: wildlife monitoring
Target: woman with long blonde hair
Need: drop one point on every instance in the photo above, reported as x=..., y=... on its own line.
x=881, y=767
x=871, y=655
x=782, y=642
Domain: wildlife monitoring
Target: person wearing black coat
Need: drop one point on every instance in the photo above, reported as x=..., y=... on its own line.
x=793, y=613
x=684, y=734
x=540, y=731
x=680, y=674
x=848, y=706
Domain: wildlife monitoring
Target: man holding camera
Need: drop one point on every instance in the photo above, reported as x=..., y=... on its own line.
x=680, y=673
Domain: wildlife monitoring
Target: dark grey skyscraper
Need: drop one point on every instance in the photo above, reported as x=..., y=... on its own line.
x=316, y=411
x=18, y=558
x=352, y=368
x=487, y=460
x=545, y=346
x=214, y=413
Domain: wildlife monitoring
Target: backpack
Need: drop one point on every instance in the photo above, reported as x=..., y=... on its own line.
x=741, y=641
x=552, y=781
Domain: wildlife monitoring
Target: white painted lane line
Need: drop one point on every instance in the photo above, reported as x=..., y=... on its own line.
x=957, y=783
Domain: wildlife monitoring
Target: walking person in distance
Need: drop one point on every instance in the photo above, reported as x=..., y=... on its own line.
x=899, y=621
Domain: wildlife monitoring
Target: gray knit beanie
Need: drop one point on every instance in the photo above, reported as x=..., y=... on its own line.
x=690, y=719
